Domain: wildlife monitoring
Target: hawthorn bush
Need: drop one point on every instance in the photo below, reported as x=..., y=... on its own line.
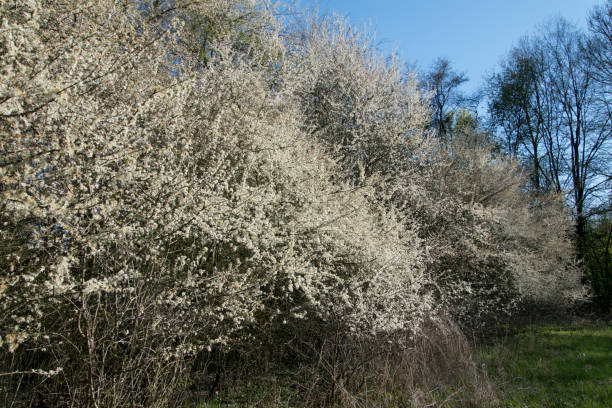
x=152, y=211
x=164, y=204
x=491, y=245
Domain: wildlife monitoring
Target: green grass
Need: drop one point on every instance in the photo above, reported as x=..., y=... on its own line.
x=552, y=366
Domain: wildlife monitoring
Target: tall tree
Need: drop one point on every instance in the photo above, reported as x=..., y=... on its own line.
x=599, y=45
x=553, y=115
x=599, y=52
x=443, y=83
x=521, y=105
x=586, y=125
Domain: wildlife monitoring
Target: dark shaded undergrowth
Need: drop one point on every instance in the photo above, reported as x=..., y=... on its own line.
x=535, y=365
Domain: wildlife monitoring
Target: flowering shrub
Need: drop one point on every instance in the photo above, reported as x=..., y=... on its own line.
x=489, y=244
x=153, y=210
x=172, y=189
x=493, y=245
x=366, y=110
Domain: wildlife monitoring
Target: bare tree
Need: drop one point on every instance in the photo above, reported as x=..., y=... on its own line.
x=585, y=120
x=521, y=105
x=443, y=82
x=599, y=45
x=553, y=115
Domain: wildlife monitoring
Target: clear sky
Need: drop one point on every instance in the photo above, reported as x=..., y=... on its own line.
x=473, y=34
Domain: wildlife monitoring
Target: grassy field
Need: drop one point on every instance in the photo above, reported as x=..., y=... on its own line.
x=553, y=366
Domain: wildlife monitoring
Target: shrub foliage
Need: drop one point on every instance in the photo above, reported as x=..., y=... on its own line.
x=169, y=196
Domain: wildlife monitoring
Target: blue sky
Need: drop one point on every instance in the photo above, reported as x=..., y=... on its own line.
x=473, y=34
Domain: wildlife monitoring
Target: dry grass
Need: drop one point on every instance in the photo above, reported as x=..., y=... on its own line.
x=436, y=369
